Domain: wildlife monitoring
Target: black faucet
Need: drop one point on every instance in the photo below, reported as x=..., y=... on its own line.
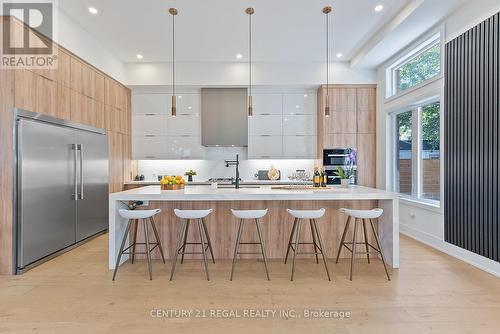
x=237, y=164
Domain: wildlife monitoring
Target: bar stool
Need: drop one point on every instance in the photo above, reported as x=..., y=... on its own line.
x=248, y=214
x=362, y=215
x=293, y=244
x=186, y=216
x=133, y=217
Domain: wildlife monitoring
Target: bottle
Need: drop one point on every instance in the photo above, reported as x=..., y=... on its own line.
x=316, y=178
x=324, y=178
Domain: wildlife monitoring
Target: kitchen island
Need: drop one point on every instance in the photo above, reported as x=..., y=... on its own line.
x=276, y=225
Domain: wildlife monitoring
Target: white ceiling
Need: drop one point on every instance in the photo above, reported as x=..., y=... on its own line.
x=216, y=30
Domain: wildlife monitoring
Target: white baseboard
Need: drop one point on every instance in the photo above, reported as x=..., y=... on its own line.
x=471, y=258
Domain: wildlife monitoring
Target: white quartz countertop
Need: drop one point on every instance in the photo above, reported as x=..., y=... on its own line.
x=243, y=182
x=206, y=193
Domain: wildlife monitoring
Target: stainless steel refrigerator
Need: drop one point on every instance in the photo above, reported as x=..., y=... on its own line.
x=62, y=186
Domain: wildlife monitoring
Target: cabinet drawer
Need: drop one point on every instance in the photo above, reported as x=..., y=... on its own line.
x=299, y=103
x=270, y=125
x=304, y=125
x=149, y=124
x=265, y=147
x=149, y=147
x=270, y=104
x=150, y=104
x=299, y=147
x=185, y=147
x=183, y=125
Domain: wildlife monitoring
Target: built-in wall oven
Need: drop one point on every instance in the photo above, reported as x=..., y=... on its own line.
x=335, y=158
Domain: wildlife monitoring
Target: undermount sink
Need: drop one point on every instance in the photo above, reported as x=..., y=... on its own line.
x=241, y=186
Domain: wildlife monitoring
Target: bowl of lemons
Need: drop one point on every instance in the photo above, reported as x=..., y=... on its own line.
x=172, y=182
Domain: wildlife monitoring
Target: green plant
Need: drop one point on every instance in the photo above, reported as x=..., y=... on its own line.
x=190, y=173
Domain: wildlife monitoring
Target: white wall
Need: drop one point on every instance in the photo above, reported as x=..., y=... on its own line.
x=84, y=45
x=236, y=74
x=420, y=221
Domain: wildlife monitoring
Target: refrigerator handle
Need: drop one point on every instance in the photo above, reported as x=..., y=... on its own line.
x=80, y=147
x=74, y=147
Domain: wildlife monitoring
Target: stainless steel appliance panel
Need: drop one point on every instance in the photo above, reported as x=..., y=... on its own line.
x=46, y=175
x=92, y=184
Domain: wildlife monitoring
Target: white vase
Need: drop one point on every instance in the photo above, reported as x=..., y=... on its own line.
x=344, y=183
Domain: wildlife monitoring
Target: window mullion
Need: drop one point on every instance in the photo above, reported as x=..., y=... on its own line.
x=414, y=153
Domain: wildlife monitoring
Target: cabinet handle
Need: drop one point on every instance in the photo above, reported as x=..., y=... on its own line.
x=149, y=136
x=265, y=157
x=184, y=136
x=265, y=135
x=150, y=114
x=150, y=157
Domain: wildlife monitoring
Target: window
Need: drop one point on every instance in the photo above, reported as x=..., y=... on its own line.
x=416, y=67
x=417, y=152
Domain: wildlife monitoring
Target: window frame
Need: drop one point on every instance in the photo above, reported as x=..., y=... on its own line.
x=416, y=148
x=392, y=90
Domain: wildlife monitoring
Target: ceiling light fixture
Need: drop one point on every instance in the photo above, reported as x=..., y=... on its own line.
x=379, y=8
x=173, y=12
x=339, y=55
x=250, y=12
x=139, y=56
x=93, y=10
x=327, y=10
x=239, y=56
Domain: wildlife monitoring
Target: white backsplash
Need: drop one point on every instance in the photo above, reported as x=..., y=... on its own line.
x=216, y=168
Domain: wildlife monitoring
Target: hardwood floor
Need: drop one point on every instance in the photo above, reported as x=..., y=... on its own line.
x=431, y=293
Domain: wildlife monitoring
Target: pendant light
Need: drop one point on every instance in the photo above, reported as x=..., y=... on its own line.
x=250, y=12
x=327, y=10
x=173, y=12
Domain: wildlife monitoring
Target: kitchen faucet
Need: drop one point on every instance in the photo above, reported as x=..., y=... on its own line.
x=237, y=164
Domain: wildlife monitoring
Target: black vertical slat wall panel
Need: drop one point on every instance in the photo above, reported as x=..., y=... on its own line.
x=472, y=140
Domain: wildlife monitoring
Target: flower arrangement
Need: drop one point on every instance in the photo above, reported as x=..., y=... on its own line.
x=346, y=174
x=190, y=173
x=172, y=182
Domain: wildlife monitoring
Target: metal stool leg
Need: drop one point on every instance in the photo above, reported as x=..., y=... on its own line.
x=208, y=239
x=157, y=237
x=291, y=238
x=366, y=240
x=318, y=235
x=295, y=251
x=178, y=247
x=185, y=240
x=353, y=246
x=262, y=248
x=148, y=253
x=127, y=229
x=380, y=249
x=203, y=250
x=343, y=238
x=315, y=245
x=136, y=227
x=236, y=248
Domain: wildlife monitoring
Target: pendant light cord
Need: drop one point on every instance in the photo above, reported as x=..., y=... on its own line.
x=250, y=52
x=173, y=55
x=327, y=52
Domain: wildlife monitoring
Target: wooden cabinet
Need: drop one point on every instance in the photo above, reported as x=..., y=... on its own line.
x=46, y=96
x=82, y=78
x=25, y=90
x=64, y=68
x=110, y=92
x=63, y=102
x=116, y=161
x=352, y=123
x=99, y=87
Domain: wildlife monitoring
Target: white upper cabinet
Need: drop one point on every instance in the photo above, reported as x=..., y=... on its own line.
x=299, y=147
x=185, y=147
x=304, y=103
x=184, y=124
x=265, y=147
x=299, y=125
x=149, y=103
x=187, y=104
x=149, y=124
x=149, y=147
x=268, y=125
x=267, y=104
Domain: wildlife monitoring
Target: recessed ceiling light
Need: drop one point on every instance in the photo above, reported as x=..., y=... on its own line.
x=139, y=56
x=379, y=8
x=339, y=55
x=239, y=56
x=93, y=10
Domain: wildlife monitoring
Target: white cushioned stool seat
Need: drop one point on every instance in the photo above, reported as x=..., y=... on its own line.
x=307, y=214
x=363, y=214
x=192, y=214
x=138, y=214
x=249, y=214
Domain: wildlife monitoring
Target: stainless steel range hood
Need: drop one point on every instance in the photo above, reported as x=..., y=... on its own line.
x=224, y=120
